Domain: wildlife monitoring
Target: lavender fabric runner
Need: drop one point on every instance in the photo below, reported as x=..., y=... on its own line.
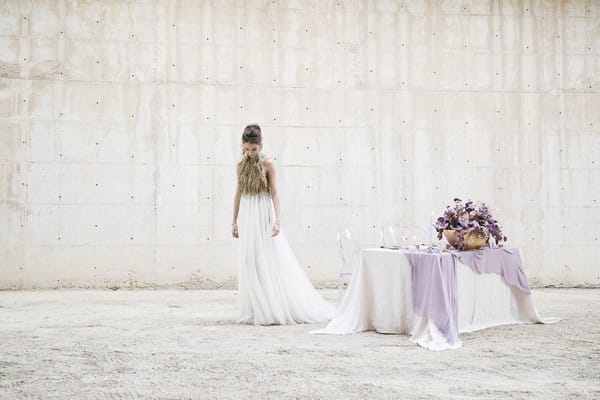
x=505, y=262
x=433, y=280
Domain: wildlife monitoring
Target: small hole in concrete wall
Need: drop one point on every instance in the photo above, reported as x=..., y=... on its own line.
x=131, y=197
x=131, y=238
x=96, y=225
x=96, y=184
x=172, y=226
x=207, y=238
x=173, y=185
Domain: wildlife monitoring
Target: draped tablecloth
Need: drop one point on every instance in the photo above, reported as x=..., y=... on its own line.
x=433, y=296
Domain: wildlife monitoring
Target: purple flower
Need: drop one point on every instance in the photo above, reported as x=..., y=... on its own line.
x=469, y=217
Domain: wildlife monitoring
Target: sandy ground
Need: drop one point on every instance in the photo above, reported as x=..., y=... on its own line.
x=184, y=344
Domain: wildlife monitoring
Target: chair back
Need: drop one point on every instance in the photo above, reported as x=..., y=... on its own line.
x=348, y=250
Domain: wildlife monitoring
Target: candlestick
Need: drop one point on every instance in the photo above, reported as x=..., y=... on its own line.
x=430, y=228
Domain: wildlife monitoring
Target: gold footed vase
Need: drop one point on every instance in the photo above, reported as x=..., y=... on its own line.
x=472, y=241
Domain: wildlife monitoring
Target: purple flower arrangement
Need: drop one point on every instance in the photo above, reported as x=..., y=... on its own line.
x=469, y=218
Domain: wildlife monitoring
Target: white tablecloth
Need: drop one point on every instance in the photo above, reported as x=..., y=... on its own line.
x=379, y=298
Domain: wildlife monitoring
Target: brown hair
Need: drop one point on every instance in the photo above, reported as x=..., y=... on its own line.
x=252, y=134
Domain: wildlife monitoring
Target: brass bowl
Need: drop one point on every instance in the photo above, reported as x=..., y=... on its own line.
x=472, y=241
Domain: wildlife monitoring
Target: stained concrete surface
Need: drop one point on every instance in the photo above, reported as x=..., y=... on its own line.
x=185, y=344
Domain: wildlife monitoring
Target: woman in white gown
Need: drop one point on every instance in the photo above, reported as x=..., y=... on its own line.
x=273, y=287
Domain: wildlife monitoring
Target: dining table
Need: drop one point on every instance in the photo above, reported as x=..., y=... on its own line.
x=434, y=294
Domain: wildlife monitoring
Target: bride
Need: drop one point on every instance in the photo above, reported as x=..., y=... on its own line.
x=273, y=287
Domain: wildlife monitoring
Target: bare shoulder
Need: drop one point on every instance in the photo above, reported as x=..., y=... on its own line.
x=269, y=164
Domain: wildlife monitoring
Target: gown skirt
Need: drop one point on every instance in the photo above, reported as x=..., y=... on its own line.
x=273, y=286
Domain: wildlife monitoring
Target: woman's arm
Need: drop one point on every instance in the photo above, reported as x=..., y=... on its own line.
x=270, y=168
x=236, y=209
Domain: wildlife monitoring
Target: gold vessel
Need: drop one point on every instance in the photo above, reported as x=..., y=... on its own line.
x=472, y=240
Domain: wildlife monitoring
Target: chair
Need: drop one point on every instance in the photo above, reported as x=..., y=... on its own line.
x=349, y=252
x=388, y=237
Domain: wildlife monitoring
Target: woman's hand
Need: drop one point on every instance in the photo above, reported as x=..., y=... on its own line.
x=276, y=229
x=234, y=231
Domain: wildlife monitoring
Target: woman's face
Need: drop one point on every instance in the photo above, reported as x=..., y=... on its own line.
x=251, y=149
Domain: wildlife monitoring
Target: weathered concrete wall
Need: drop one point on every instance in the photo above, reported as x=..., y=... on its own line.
x=120, y=125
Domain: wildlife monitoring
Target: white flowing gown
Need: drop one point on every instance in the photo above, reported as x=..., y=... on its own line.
x=273, y=287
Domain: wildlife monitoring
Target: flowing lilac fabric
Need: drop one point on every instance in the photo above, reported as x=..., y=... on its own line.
x=433, y=281
x=505, y=262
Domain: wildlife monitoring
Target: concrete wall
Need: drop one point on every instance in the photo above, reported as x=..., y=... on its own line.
x=120, y=125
